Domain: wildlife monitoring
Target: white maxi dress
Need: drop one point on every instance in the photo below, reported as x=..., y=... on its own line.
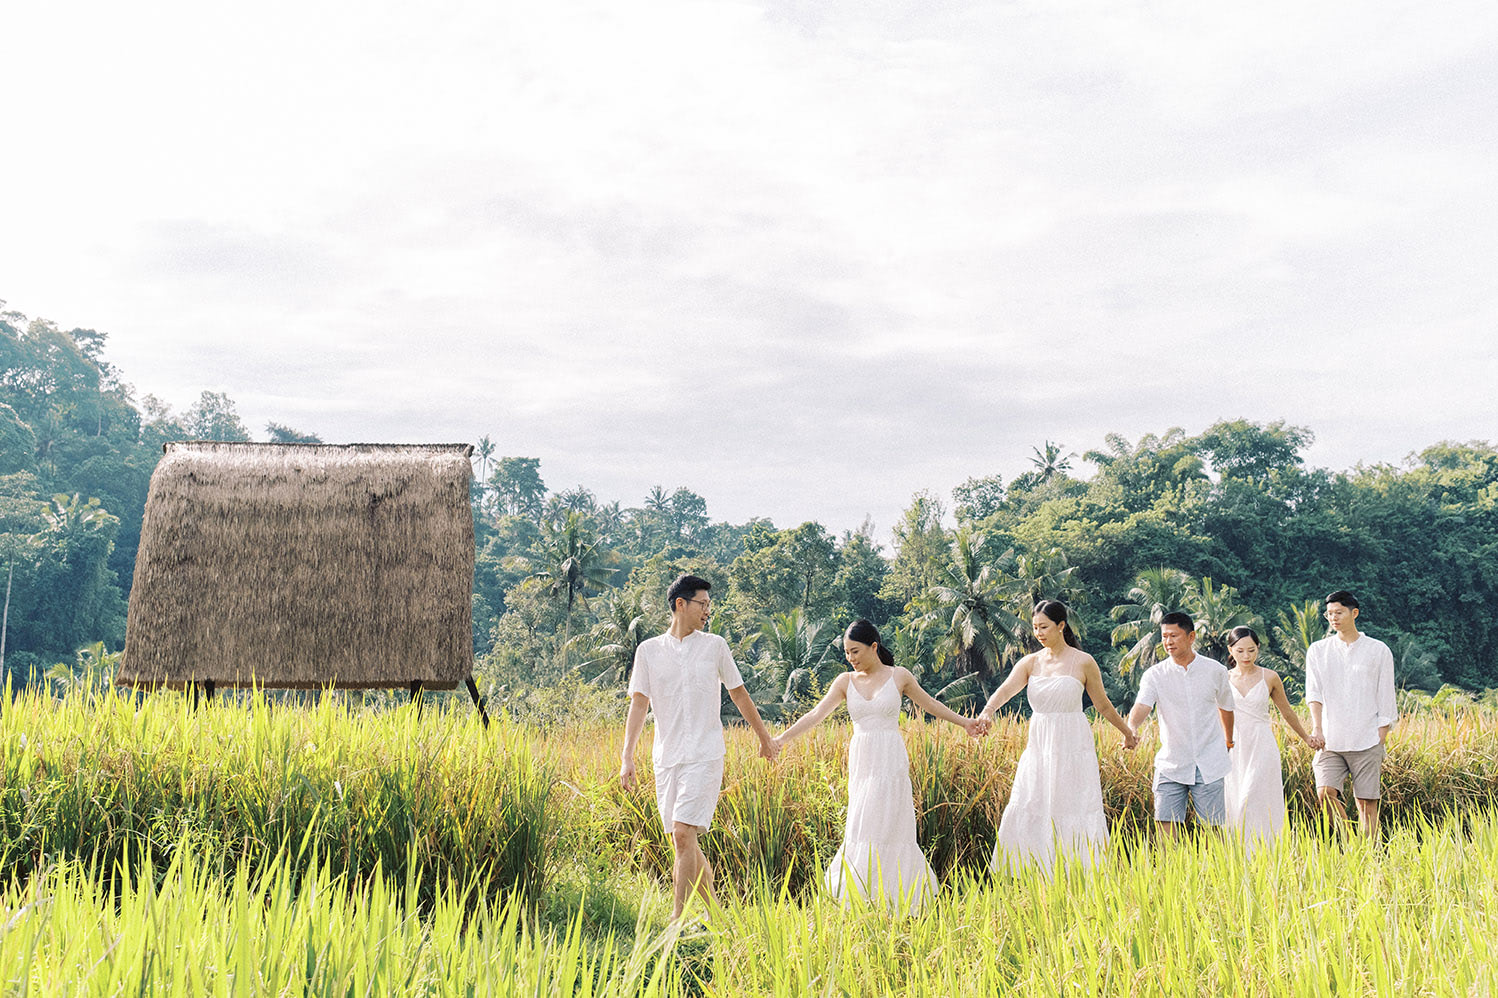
x=879, y=855
x=1056, y=805
x=1255, y=786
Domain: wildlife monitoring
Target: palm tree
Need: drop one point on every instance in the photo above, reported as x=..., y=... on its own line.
x=1156, y=592
x=485, y=451
x=68, y=516
x=92, y=671
x=1217, y=611
x=971, y=607
x=1297, y=629
x=572, y=560
x=1041, y=576
x=623, y=625
x=796, y=656
x=1049, y=463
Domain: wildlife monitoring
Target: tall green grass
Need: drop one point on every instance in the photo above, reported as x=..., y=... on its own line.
x=1417, y=916
x=120, y=780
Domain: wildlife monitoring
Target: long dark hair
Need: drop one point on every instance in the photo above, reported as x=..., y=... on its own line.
x=1055, y=612
x=1236, y=635
x=866, y=633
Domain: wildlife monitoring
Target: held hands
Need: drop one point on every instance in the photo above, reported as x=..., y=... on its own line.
x=769, y=748
x=1316, y=741
x=1131, y=740
x=977, y=727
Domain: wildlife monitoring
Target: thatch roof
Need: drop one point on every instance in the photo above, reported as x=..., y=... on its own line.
x=296, y=565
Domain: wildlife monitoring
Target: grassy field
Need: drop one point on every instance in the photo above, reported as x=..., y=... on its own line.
x=251, y=849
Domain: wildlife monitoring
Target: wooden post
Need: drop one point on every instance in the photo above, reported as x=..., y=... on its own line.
x=473, y=691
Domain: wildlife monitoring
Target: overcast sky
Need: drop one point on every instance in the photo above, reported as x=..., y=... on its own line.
x=804, y=258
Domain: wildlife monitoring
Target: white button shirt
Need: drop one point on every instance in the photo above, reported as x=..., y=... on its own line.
x=1187, y=700
x=1354, y=683
x=681, y=679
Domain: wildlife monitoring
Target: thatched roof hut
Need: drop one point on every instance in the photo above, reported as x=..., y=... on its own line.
x=302, y=566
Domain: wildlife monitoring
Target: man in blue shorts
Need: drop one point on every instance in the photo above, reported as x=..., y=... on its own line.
x=1195, y=703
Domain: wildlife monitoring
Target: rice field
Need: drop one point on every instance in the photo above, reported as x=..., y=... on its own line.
x=254, y=849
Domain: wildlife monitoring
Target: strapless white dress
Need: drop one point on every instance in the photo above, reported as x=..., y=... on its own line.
x=1056, y=805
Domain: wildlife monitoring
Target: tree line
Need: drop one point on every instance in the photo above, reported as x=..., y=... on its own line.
x=1229, y=524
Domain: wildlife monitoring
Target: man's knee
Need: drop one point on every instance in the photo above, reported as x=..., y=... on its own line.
x=684, y=837
x=1328, y=795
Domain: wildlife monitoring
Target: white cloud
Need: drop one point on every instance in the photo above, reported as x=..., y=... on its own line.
x=874, y=247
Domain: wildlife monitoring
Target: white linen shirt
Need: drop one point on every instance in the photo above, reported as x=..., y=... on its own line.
x=1187, y=700
x=1354, y=683
x=681, y=680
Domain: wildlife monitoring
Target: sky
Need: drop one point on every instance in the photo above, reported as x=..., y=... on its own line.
x=804, y=258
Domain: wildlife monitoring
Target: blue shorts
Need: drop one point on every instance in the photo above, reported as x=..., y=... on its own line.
x=1207, y=799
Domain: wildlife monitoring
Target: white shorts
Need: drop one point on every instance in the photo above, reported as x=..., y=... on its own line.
x=688, y=793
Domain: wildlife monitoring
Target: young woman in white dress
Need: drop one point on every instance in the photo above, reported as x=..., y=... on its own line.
x=1255, y=787
x=1056, y=804
x=879, y=854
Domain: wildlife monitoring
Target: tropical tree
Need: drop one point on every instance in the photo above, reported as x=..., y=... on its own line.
x=1156, y=592
x=214, y=417
x=1049, y=463
x=1217, y=611
x=484, y=451
x=571, y=559
x=91, y=671
x=610, y=644
x=971, y=609
x=1415, y=665
x=1297, y=628
x=282, y=434
x=797, y=657
x=517, y=486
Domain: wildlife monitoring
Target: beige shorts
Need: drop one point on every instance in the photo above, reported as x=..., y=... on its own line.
x=688, y=793
x=1364, y=766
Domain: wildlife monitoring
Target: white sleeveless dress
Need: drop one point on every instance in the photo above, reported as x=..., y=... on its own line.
x=1255, y=787
x=879, y=854
x=1056, y=804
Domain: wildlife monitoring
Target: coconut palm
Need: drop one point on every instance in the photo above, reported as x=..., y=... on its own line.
x=1217, y=611
x=570, y=558
x=485, y=453
x=797, y=657
x=1296, y=629
x=1156, y=592
x=1049, y=463
x=610, y=644
x=1043, y=575
x=92, y=671
x=970, y=608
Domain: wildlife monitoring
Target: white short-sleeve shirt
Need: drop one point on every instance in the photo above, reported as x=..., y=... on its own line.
x=681, y=680
x=1187, y=700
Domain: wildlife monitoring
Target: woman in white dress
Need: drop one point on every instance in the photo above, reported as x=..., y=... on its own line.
x=1056, y=804
x=1255, y=787
x=879, y=854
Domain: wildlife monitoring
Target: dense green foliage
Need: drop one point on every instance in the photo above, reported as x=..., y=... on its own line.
x=1228, y=524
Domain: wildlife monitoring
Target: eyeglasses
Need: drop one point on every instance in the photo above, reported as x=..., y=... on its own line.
x=707, y=604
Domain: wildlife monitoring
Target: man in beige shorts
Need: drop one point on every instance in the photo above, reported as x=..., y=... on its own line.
x=1350, y=689
x=678, y=675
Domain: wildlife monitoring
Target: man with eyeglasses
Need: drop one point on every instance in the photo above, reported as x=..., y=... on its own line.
x=677, y=675
x=1350, y=690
